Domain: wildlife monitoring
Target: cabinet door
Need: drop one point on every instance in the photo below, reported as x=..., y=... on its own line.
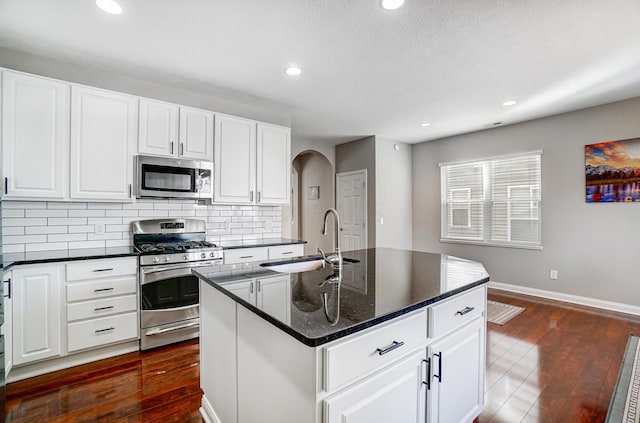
x=457, y=381
x=392, y=395
x=103, y=131
x=35, y=137
x=274, y=164
x=244, y=289
x=274, y=296
x=196, y=134
x=158, y=128
x=7, y=327
x=36, y=312
x=235, y=160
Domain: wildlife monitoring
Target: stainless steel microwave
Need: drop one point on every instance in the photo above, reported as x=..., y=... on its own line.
x=173, y=178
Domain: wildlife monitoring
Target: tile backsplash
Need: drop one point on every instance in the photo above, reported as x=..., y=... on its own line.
x=47, y=225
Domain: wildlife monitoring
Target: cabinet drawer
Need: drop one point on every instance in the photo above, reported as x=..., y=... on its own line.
x=103, y=307
x=105, y=330
x=364, y=353
x=286, y=251
x=245, y=255
x=104, y=268
x=456, y=311
x=101, y=288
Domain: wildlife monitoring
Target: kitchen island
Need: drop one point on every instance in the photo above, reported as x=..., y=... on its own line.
x=400, y=338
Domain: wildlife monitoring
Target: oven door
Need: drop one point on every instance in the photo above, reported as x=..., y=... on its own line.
x=168, y=294
x=169, y=304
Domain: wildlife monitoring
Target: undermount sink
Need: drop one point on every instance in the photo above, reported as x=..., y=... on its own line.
x=302, y=264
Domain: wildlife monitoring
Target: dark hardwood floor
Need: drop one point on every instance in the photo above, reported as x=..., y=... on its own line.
x=556, y=362
x=161, y=385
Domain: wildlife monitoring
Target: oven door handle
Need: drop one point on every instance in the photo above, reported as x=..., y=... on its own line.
x=172, y=271
x=157, y=331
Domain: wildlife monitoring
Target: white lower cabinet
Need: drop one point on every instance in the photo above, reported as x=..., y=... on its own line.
x=58, y=310
x=36, y=292
x=269, y=293
x=396, y=394
x=456, y=393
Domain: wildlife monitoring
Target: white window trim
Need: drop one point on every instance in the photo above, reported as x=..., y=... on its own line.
x=486, y=242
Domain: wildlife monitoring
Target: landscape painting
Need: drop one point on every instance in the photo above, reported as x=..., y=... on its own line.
x=613, y=171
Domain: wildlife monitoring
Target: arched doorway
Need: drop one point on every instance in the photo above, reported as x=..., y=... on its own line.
x=313, y=193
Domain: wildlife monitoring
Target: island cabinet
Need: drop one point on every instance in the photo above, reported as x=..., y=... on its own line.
x=267, y=292
x=426, y=365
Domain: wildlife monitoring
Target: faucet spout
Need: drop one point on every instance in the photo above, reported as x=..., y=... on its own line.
x=334, y=259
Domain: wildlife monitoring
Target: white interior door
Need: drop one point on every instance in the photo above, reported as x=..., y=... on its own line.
x=351, y=203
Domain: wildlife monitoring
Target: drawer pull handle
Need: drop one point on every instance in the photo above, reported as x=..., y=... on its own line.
x=104, y=270
x=105, y=330
x=103, y=308
x=287, y=252
x=103, y=289
x=465, y=311
x=393, y=346
x=439, y=375
x=246, y=257
x=428, y=378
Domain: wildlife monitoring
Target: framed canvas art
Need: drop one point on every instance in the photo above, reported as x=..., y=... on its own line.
x=613, y=171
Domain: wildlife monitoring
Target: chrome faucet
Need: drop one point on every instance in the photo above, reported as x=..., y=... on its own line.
x=334, y=259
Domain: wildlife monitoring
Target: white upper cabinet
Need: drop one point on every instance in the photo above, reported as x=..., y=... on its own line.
x=104, y=125
x=252, y=162
x=196, y=134
x=35, y=137
x=176, y=131
x=235, y=160
x=273, y=160
x=158, y=128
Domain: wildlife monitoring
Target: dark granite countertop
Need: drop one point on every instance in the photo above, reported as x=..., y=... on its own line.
x=385, y=283
x=265, y=242
x=50, y=256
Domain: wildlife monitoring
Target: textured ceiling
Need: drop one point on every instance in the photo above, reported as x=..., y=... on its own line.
x=366, y=71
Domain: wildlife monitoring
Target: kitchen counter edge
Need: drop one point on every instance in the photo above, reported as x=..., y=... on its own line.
x=339, y=333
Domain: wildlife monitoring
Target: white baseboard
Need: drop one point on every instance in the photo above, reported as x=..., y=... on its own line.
x=207, y=412
x=569, y=298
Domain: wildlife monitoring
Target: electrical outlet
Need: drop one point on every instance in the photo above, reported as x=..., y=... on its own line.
x=98, y=228
x=553, y=274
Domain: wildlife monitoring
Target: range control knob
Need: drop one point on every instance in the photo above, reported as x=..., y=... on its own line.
x=165, y=259
x=211, y=254
x=185, y=257
x=203, y=255
x=156, y=259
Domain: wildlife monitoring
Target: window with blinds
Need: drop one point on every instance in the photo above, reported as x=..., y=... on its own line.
x=493, y=201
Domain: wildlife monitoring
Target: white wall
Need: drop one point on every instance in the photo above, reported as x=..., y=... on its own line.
x=48, y=225
x=393, y=194
x=593, y=246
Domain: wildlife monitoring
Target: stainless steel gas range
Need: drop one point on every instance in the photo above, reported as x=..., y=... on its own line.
x=169, y=303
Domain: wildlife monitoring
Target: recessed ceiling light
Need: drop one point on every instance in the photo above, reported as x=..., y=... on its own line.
x=391, y=4
x=509, y=103
x=425, y=124
x=293, y=71
x=109, y=6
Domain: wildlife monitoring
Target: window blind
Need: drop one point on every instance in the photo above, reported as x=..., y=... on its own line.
x=493, y=201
